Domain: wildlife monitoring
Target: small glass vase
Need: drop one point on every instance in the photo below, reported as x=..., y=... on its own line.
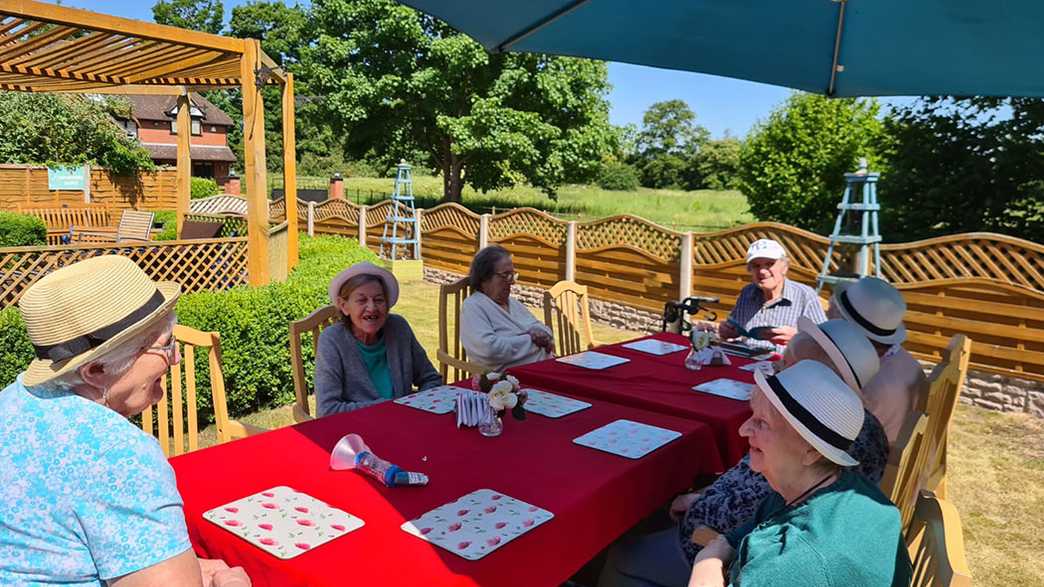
x=492, y=426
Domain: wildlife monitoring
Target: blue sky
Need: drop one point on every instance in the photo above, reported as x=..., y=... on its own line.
x=721, y=104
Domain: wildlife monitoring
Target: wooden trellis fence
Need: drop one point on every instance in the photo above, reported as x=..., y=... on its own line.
x=205, y=264
x=988, y=286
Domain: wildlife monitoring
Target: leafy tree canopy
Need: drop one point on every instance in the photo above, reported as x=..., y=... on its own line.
x=792, y=165
x=199, y=15
x=65, y=129
x=397, y=81
x=670, y=127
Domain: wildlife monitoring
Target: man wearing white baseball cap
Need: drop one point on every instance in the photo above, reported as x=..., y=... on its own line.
x=877, y=308
x=823, y=524
x=767, y=310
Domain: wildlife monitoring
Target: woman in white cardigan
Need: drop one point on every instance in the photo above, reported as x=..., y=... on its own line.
x=496, y=330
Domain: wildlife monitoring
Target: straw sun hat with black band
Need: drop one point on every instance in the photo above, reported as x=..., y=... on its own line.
x=79, y=313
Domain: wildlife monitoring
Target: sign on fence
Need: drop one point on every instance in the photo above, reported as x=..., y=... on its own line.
x=68, y=178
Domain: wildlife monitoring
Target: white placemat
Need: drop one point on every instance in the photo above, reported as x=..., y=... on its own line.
x=765, y=367
x=478, y=523
x=552, y=405
x=593, y=360
x=283, y=522
x=729, y=388
x=437, y=400
x=628, y=439
x=655, y=347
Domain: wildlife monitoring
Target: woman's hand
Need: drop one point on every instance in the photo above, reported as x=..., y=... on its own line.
x=681, y=505
x=542, y=339
x=709, y=567
x=781, y=335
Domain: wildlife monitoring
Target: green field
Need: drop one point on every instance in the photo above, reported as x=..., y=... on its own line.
x=697, y=210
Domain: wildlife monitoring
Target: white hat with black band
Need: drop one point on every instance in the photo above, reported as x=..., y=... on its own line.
x=824, y=410
x=876, y=307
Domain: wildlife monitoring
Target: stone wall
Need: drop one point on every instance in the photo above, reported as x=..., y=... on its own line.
x=986, y=390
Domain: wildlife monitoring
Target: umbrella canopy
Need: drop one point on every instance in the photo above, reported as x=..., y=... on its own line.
x=833, y=47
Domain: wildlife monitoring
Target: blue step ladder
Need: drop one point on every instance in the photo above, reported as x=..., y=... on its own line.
x=868, y=238
x=402, y=221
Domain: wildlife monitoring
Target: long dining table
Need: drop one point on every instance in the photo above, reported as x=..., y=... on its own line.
x=658, y=383
x=594, y=496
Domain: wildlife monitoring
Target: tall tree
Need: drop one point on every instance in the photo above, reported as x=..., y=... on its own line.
x=667, y=142
x=792, y=165
x=965, y=165
x=397, y=81
x=198, y=15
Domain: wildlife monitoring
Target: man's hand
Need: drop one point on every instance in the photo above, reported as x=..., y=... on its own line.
x=726, y=330
x=781, y=335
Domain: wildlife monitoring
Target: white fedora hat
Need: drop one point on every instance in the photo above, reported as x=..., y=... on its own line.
x=822, y=408
x=849, y=350
x=78, y=313
x=765, y=248
x=876, y=307
x=391, y=285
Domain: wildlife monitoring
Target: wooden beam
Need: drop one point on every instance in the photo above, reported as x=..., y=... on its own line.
x=61, y=50
x=254, y=154
x=169, y=68
x=290, y=172
x=184, y=173
x=133, y=90
x=94, y=21
x=25, y=47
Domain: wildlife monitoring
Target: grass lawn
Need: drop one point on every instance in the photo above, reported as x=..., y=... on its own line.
x=996, y=460
x=701, y=210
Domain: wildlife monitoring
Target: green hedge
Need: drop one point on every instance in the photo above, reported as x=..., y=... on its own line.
x=203, y=187
x=168, y=219
x=614, y=175
x=21, y=230
x=253, y=324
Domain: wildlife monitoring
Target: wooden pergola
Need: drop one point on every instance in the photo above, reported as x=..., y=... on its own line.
x=50, y=48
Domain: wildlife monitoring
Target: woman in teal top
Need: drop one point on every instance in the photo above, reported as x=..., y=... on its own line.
x=372, y=356
x=824, y=525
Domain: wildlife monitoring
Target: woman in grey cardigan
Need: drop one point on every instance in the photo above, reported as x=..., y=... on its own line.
x=372, y=356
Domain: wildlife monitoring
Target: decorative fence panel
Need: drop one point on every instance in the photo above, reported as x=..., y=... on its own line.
x=450, y=237
x=205, y=264
x=26, y=186
x=334, y=217
x=536, y=241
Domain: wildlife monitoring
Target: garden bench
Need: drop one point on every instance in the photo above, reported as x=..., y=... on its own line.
x=60, y=222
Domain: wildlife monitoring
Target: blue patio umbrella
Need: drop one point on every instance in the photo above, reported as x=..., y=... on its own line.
x=832, y=47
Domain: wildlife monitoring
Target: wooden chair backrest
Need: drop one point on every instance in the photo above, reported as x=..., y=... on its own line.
x=935, y=543
x=60, y=221
x=176, y=426
x=904, y=474
x=567, y=313
x=944, y=389
x=135, y=225
x=453, y=359
x=311, y=325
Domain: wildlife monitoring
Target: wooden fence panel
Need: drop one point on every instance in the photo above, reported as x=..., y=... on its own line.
x=334, y=217
x=26, y=186
x=629, y=275
x=536, y=241
x=450, y=237
x=995, y=257
x=204, y=264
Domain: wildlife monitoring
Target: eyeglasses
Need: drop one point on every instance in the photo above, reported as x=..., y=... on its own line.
x=169, y=350
x=507, y=275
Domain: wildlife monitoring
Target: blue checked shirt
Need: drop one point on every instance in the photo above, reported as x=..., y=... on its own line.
x=797, y=300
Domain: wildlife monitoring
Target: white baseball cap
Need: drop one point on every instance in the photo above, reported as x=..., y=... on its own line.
x=765, y=248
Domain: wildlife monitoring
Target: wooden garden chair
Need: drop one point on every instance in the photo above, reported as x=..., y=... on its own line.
x=944, y=389
x=135, y=225
x=179, y=386
x=312, y=324
x=451, y=353
x=904, y=474
x=935, y=543
x=567, y=313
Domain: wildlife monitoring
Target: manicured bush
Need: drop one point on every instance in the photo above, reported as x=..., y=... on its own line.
x=21, y=230
x=203, y=187
x=15, y=349
x=617, y=176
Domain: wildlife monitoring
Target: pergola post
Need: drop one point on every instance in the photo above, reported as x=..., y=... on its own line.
x=184, y=170
x=254, y=153
x=290, y=172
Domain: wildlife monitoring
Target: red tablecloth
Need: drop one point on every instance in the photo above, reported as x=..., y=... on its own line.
x=656, y=383
x=595, y=496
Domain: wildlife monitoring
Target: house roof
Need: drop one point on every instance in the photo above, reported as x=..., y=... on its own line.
x=164, y=152
x=156, y=108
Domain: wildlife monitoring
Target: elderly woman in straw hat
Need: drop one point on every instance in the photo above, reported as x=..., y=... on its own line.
x=877, y=308
x=666, y=557
x=372, y=356
x=823, y=524
x=88, y=497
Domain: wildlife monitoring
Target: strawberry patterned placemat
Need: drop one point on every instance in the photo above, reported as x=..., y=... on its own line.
x=655, y=347
x=628, y=439
x=552, y=405
x=478, y=523
x=282, y=521
x=437, y=400
x=725, y=387
x=593, y=360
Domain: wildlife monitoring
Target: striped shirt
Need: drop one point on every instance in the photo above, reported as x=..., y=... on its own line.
x=751, y=311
